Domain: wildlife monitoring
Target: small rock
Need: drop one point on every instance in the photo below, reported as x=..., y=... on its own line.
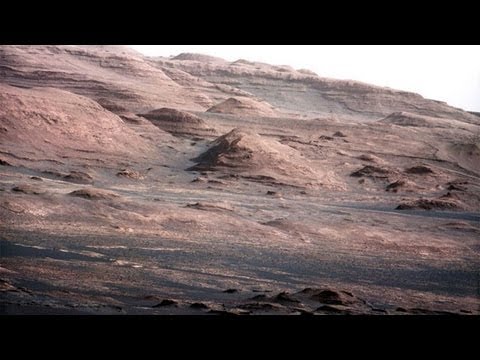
x=371, y=171
x=452, y=187
x=27, y=189
x=331, y=297
x=199, y=179
x=368, y=157
x=78, y=177
x=230, y=291
x=324, y=137
x=421, y=169
x=286, y=297
x=199, y=305
x=130, y=174
x=328, y=297
x=166, y=302
x=429, y=204
x=393, y=187
x=94, y=194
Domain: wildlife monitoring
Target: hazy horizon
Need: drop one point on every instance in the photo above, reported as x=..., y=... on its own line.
x=449, y=73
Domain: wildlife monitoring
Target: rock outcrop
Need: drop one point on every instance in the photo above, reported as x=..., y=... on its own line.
x=245, y=153
x=179, y=122
x=244, y=107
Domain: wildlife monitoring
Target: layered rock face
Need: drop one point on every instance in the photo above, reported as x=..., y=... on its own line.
x=197, y=82
x=305, y=92
x=115, y=73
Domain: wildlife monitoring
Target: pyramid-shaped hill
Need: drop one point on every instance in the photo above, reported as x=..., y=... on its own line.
x=179, y=122
x=248, y=155
x=243, y=106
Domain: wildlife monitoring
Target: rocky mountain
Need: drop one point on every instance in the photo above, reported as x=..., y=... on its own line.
x=198, y=82
x=304, y=92
x=191, y=185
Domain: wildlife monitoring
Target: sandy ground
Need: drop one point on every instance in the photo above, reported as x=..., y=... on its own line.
x=127, y=253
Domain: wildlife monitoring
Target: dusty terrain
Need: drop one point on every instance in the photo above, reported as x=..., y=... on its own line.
x=192, y=185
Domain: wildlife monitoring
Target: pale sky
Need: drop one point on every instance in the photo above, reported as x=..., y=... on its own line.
x=449, y=73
